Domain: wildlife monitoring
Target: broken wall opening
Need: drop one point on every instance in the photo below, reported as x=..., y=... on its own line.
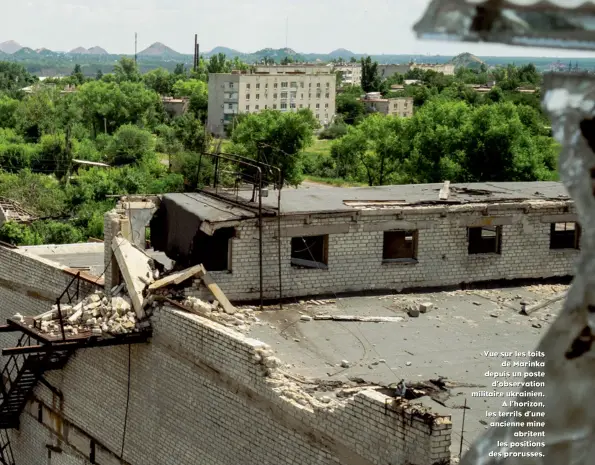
x=565, y=236
x=485, y=240
x=399, y=246
x=213, y=252
x=309, y=252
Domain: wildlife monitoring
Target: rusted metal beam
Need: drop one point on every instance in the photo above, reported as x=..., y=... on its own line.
x=135, y=338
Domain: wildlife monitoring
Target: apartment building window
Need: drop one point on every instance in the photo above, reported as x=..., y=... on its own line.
x=302, y=85
x=326, y=116
x=231, y=85
x=564, y=236
x=309, y=95
x=266, y=85
x=274, y=106
x=283, y=94
x=275, y=85
x=248, y=86
x=247, y=107
x=395, y=106
x=328, y=84
x=257, y=96
x=317, y=95
x=247, y=96
x=318, y=84
x=266, y=106
x=326, y=105
x=309, y=84
x=293, y=84
x=327, y=95
x=317, y=105
x=317, y=116
x=292, y=105
x=293, y=94
x=485, y=240
x=230, y=106
x=284, y=84
x=283, y=106
x=258, y=86
x=301, y=96
x=274, y=95
x=301, y=106
x=256, y=107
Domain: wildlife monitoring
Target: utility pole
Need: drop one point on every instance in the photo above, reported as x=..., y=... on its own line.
x=195, y=64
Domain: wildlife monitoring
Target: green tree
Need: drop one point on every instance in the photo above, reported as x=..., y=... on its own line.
x=129, y=145
x=13, y=77
x=370, y=78
x=126, y=70
x=160, y=80
x=99, y=75
x=197, y=92
x=37, y=113
x=8, y=110
x=277, y=138
x=191, y=133
x=372, y=151
x=218, y=64
x=77, y=75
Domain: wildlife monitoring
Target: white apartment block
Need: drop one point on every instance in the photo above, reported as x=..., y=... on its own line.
x=235, y=93
x=351, y=74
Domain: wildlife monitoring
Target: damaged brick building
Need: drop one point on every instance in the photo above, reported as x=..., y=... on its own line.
x=330, y=241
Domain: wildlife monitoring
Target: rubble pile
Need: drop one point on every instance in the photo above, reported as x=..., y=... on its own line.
x=241, y=320
x=96, y=313
x=284, y=386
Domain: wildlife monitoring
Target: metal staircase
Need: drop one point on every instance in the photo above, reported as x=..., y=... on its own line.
x=20, y=376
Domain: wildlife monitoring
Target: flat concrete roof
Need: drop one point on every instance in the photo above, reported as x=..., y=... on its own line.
x=319, y=200
x=209, y=209
x=448, y=341
x=83, y=255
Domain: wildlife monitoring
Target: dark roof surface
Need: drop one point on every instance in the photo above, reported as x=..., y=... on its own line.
x=326, y=199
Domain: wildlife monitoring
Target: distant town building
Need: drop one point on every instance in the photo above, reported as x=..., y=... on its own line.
x=235, y=93
x=175, y=106
x=386, y=71
x=399, y=106
x=351, y=73
x=304, y=68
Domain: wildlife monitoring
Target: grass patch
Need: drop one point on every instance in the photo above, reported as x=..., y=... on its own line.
x=319, y=147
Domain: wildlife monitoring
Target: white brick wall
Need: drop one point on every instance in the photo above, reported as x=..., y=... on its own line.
x=355, y=259
x=198, y=396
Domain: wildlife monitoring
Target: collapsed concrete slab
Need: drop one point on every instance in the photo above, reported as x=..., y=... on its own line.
x=137, y=270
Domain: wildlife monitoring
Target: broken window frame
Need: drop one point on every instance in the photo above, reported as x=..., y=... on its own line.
x=567, y=239
x=306, y=243
x=402, y=259
x=484, y=249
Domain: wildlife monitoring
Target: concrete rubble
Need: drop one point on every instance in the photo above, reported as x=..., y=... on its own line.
x=96, y=314
x=241, y=320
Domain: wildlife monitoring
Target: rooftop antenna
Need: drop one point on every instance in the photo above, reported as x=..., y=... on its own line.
x=135, y=46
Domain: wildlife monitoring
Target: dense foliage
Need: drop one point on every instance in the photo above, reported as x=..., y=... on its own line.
x=118, y=118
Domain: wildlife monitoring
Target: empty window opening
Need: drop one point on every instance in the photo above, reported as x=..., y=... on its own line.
x=484, y=240
x=213, y=252
x=399, y=246
x=309, y=252
x=564, y=236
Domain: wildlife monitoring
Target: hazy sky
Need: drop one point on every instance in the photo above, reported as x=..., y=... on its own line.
x=315, y=26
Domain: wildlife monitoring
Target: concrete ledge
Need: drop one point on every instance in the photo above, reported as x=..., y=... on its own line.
x=317, y=230
x=564, y=218
x=398, y=224
x=488, y=221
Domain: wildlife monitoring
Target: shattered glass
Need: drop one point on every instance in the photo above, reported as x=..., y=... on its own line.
x=569, y=412
x=519, y=22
